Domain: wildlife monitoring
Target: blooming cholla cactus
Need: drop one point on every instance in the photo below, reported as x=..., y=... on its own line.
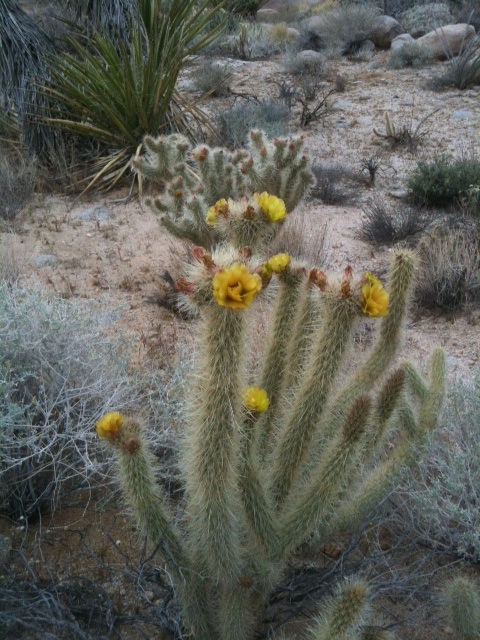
x=272, y=455
x=192, y=180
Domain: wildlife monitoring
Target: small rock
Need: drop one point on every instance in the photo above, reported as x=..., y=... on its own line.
x=373, y=66
x=401, y=40
x=399, y=193
x=97, y=213
x=268, y=15
x=185, y=85
x=384, y=30
x=461, y=114
x=44, y=260
x=5, y=548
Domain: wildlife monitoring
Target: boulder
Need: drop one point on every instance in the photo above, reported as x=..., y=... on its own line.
x=384, y=29
x=448, y=41
x=401, y=40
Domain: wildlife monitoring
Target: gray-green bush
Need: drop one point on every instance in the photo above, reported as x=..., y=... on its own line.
x=410, y=55
x=236, y=123
x=59, y=372
x=444, y=490
x=423, y=18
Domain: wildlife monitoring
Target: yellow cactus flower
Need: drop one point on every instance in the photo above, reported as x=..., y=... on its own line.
x=279, y=262
x=374, y=297
x=272, y=207
x=110, y=424
x=236, y=287
x=255, y=399
x=219, y=208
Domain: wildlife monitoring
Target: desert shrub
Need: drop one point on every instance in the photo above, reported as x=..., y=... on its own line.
x=444, y=491
x=471, y=201
x=17, y=181
x=463, y=71
x=305, y=63
x=449, y=275
x=410, y=55
x=383, y=223
x=59, y=372
x=235, y=124
x=335, y=185
x=241, y=7
x=423, y=18
x=341, y=30
x=443, y=180
x=214, y=77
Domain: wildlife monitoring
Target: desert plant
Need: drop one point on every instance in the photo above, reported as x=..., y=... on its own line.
x=371, y=164
x=247, y=8
x=336, y=184
x=410, y=55
x=23, y=45
x=441, y=181
x=58, y=372
x=213, y=79
x=318, y=111
x=194, y=180
x=420, y=19
x=342, y=29
x=383, y=223
x=266, y=465
x=17, y=181
x=442, y=493
x=234, y=124
x=408, y=132
x=305, y=63
x=462, y=595
x=116, y=93
x=463, y=70
x=449, y=277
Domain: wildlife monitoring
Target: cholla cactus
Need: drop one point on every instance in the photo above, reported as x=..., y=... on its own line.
x=193, y=180
x=463, y=600
x=272, y=455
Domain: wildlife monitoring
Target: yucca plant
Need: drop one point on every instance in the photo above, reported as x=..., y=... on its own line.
x=116, y=92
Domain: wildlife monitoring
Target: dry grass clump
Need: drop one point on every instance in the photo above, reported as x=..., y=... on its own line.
x=449, y=275
x=236, y=123
x=386, y=224
x=213, y=78
x=336, y=185
x=17, y=182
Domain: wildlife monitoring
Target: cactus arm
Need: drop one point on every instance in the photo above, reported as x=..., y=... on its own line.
x=294, y=439
x=145, y=497
x=344, y=615
x=276, y=363
x=305, y=508
x=211, y=459
x=463, y=599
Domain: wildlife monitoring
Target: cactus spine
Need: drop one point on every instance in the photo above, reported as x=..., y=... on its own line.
x=265, y=466
x=463, y=598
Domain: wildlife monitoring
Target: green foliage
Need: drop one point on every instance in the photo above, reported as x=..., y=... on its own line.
x=443, y=180
x=259, y=479
x=116, y=92
x=410, y=55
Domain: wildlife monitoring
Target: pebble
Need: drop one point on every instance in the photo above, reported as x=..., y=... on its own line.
x=44, y=260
